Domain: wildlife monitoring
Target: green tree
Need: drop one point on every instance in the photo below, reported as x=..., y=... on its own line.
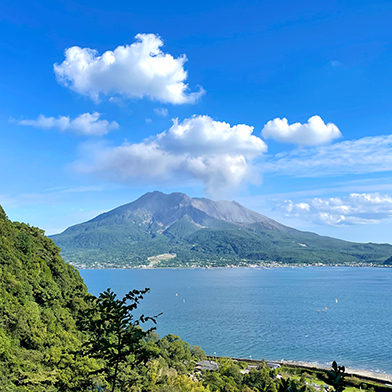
x=260, y=380
x=198, y=352
x=114, y=335
x=336, y=377
x=233, y=371
x=289, y=385
x=176, y=353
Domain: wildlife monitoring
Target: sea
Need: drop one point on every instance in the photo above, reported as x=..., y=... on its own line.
x=310, y=314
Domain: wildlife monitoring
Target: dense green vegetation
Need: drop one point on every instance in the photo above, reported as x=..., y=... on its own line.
x=113, y=335
x=40, y=297
x=42, y=303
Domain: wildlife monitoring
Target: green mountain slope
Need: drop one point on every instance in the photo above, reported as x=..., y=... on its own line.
x=40, y=296
x=201, y=232
x=285, y=247
x=181, y=229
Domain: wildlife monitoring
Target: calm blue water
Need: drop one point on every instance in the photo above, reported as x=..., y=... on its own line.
x=271, y=313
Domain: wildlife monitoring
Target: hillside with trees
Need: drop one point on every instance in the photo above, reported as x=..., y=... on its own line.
x=42, y=335
x=40, y=297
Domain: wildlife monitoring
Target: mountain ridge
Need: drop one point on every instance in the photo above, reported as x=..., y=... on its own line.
x=223, y=210
x=201, y=232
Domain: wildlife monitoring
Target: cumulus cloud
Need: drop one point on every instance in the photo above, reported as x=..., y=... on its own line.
x=199, y=148
x=361, y=156
x=85, y=124
x=135, y=71
x=201, y=135
x=357, y=208
x=163, y=112
x=312, y=133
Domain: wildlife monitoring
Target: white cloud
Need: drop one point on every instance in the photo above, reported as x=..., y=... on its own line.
x=85, y=124
x=312, y=133
x=163, y=112
x=201, y=135
x=199, y=148
x=357, y=208
x=135, y=71
x=361, y=156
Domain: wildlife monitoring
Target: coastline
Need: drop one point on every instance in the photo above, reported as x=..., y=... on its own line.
x=366, y=374
x=252, y=266
x=363, y=374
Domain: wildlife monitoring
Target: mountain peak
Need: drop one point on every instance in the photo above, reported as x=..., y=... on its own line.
x=171, y=207
x=160, y=197
x=161, y=210
x=200, y=230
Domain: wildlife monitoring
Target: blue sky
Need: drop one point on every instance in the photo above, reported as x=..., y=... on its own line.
x=283, y=106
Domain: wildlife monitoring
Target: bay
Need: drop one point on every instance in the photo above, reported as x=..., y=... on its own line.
x=314, y=314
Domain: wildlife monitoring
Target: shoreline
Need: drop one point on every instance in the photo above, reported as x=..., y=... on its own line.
x=383, y=378
x=232, y=267
x=366, y=374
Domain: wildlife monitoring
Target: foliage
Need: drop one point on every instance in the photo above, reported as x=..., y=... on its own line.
x=230, y=379
x=337, y=377
x=288, y=385
x=355, y=381
x=113, y=334
x=40, y=297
